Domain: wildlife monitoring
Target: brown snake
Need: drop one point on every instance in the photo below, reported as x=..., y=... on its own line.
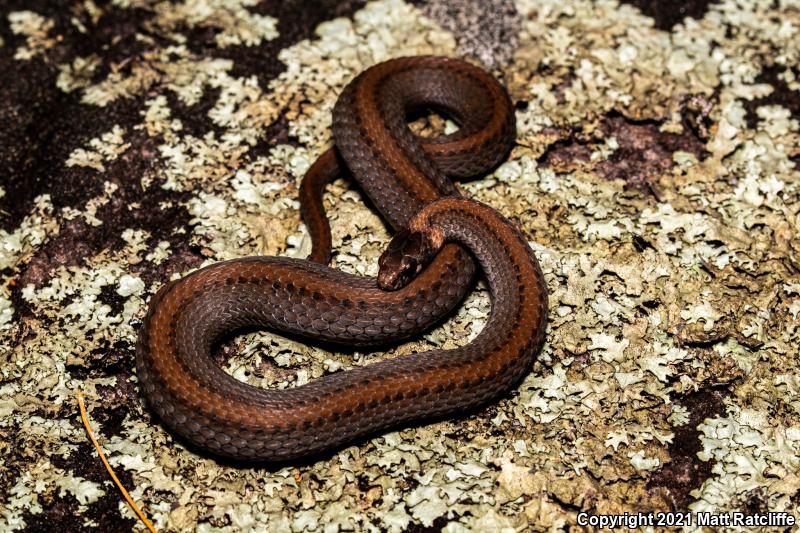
x=421, y=279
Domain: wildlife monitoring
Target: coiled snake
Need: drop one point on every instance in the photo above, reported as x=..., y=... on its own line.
x=424, y=273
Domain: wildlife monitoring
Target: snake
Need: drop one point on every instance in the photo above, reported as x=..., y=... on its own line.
x=424, y=273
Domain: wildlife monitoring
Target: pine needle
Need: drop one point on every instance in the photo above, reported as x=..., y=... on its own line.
x=124, y=492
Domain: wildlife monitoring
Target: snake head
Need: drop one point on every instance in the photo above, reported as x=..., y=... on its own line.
x=405, y=257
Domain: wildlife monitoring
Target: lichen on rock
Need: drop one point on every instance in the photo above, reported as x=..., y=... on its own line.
x=655, y=176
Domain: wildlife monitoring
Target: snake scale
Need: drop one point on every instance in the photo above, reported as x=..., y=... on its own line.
x=424, y=273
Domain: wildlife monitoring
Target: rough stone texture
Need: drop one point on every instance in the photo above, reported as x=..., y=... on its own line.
x=667, y=14
x=656, y=174
x=486, y=30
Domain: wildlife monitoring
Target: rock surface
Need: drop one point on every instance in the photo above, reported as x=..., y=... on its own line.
x=656, y=175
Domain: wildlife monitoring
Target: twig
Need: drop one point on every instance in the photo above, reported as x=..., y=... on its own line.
x=124, y=492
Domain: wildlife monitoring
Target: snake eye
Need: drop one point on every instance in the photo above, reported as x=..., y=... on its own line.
x=409, y=264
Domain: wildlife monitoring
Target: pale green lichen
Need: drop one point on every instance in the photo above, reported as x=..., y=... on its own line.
x=36, y=30
x=30, y=234
x=235, y=24
x=6, y=312
x=679, y=416
x=708, y=299
x=108, y=147
x=77, y=74
x=751, y=452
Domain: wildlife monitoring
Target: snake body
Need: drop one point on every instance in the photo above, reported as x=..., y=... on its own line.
x=211, y=409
